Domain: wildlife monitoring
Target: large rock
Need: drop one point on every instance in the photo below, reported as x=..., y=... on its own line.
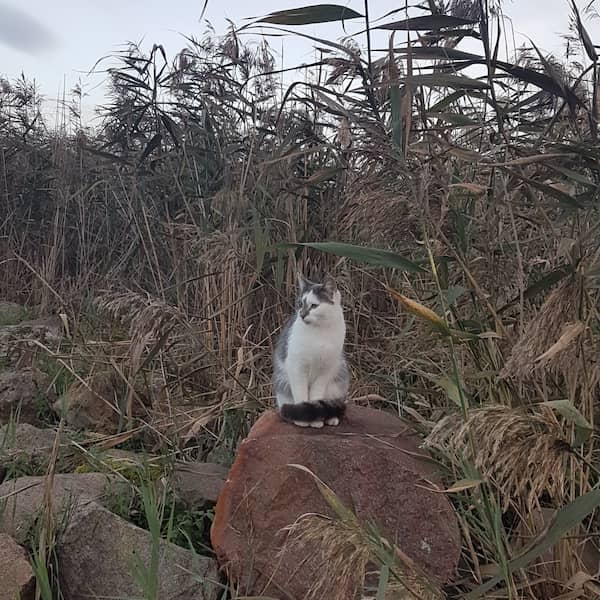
x=24, y=498
x=25, y=448
x=197, y=484
x=16, y=574
x=98, y=404
x=18, y=342
x=11, y=313
x=24, y=396
x=372, y=464
x=115, y=460
x=99, y=553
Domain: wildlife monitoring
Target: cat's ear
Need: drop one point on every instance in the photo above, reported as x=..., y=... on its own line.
x=303, y=283
x=329, y=285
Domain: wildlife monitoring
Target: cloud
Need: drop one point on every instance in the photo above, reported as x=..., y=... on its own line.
x=23, y=32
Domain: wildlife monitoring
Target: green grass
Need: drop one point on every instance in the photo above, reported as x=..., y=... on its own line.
x=177, y=524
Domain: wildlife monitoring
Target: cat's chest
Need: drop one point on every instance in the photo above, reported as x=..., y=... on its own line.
x=316, y=348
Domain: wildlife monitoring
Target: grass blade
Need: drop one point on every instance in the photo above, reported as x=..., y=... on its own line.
x=308, y=15
x=384, y=576
x=565, y=520
x=427, y=23
x=372, y=256
x=583, y=428
x=418, y=309
x=442, y=80
x=584, y=35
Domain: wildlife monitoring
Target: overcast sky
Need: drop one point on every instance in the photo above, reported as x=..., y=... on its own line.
x=57, y=42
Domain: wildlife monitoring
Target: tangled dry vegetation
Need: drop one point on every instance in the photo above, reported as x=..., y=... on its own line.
x=170, y=239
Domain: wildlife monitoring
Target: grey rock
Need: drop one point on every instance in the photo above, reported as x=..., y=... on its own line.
x=16, y=574
x=128, y=463
x=197, y=484
x=24, y=395
x=27, y=449
x=97, y=404
x=11, y=312
x=22, y=499
x=100, y=552
x=18, y=341
x=24, y=447
x=222, y=454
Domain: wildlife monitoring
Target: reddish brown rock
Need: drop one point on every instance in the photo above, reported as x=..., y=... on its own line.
x=373, y=465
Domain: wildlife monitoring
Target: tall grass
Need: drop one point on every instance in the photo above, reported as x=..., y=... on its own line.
x=170, y=240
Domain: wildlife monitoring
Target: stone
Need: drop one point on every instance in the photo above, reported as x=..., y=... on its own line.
x=27, y=449
x=197, y=484
x=18, y=342
x=16, y=574
x=221, y=454
x=11, y=313
x=115, y=459
x=23, y=498
x=133, y=466
x=24, y=396
x=97, y=404
x=373, y=465
x=99, y=551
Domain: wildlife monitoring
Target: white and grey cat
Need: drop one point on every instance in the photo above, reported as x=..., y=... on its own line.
x=310, y=375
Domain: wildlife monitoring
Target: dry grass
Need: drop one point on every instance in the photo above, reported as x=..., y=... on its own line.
x=540, y=347
x=523, y=455
x=348, y=553
x=500, y=212
x=343, y=555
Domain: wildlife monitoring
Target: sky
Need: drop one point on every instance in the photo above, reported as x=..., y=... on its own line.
x=57, y=43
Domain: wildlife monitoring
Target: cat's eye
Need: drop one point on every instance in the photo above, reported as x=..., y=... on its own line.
x=313, y=306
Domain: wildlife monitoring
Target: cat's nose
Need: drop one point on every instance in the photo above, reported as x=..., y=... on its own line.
x=303, y=314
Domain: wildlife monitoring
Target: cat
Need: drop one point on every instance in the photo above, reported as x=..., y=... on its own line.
x=310, y=374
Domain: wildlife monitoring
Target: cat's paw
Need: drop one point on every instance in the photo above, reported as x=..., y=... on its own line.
x=334, y=421
x=315, y=424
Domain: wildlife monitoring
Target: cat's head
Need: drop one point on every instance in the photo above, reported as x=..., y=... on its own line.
x=317, y=302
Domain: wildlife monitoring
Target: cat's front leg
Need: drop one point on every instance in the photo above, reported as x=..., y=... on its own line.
x=298, y=381
x=318, y=389
x=323, y=389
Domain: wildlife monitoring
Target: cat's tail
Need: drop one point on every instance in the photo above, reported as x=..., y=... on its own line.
x=309, y=412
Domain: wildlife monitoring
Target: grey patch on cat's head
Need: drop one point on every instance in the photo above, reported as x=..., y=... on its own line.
x=304, y=284
x=324, y=291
